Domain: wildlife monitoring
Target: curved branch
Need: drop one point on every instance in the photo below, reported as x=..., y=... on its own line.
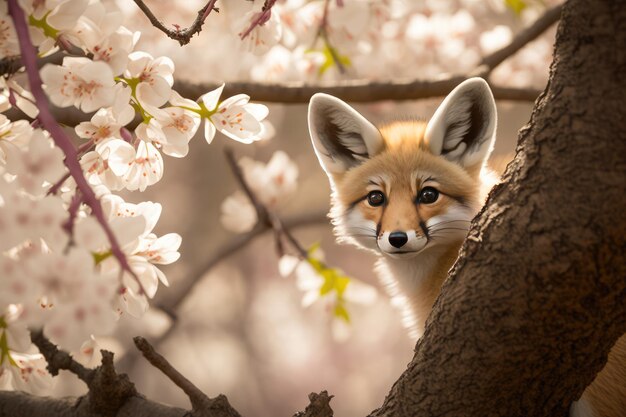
x=183, y=36
x=60, y=360
x=201, y=403
x=21, y=404
x=523, y=38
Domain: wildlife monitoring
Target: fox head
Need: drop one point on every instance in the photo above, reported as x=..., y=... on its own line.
x=410, y=185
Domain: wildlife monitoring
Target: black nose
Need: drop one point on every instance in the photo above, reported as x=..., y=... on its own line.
x=398, y=239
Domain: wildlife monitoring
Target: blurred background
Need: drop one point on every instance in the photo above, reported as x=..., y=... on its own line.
x=242, y=330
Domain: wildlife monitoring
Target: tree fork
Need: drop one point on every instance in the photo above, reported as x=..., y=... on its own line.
x=536, y=300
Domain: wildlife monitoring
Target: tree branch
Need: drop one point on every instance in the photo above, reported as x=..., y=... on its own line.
x=112, y=395
x=201, y=403
x=60, y=360
x=261, y=18
x=523, y=38
x=358, y=91
x=108, y=391
x=261, y=211
x=183, y=36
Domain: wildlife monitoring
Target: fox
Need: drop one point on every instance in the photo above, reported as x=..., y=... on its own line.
x=408, y=190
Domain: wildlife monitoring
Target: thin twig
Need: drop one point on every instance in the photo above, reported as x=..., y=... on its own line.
x=523, y=38
x=75, y=203
x=260, y=19
x=281, y=229
x=201, y=403
x=198, y=398
x=183, y=36
x=261, y=210
x=266, y=217
x=60, y=360
x=29, y=59
x=322, y=32
x=57, y=185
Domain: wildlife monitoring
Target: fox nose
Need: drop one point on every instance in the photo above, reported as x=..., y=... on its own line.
x=398, y=239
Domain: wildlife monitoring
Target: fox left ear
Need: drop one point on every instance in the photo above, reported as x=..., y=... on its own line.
x=463, y=128
x=342, y=138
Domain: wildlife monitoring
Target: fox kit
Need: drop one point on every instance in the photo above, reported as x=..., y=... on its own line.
x=408, y=191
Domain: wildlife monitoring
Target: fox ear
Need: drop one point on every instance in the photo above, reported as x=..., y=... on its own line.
x=463, y=128
x=342, y=138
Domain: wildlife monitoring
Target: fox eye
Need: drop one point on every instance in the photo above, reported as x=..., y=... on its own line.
x=376, y=198
x=428, y=195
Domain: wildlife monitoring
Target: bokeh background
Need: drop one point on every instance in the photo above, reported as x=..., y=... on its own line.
x=242, y=330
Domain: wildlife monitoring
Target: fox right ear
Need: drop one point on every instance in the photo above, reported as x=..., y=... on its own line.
x=342, y=138
x=463, y=128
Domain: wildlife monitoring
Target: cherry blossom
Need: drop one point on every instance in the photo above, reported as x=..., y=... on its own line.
x=109, y=163
x=274, y=181
x=114, y=49
x=170, y=129
x=238, y=214
x=106, y=123
x=151, y=78
x=240, y=120
x=99, y=32
x=8, y=38
x=146, y=168
x=13, y=136
x=89, y=353
x=79, y=82
x=317, y=280
x=235, y=117
x=52, y=21
x=264, y=35
x=11, y=91
x=132, y=224
x=27, y=372
x=36, y=165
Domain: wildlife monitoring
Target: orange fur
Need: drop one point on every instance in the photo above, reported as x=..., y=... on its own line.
x=607, y=393
x=400, y=169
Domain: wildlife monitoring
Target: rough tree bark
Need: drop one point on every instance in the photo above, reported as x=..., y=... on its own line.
x=536, y=300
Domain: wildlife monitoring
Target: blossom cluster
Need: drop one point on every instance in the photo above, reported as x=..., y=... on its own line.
x=321, y=283
x=59, y=268
x=378, y=39
x=273, y=183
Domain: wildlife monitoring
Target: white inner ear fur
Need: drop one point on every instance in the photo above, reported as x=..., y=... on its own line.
x=341, y=137
x=463, y=128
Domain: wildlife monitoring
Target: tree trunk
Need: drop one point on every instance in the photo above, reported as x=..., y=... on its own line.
x=537, y=297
